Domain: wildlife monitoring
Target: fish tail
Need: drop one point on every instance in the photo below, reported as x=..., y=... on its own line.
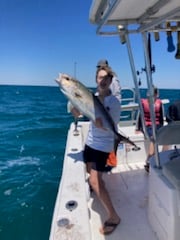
x=122, y=138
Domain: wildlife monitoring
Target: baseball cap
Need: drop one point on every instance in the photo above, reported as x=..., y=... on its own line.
x=102, y=63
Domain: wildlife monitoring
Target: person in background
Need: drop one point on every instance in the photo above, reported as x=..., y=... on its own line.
x=173, y=112
x=98, y=145
x=172, y=115
x=115, y=88
x=159, y=121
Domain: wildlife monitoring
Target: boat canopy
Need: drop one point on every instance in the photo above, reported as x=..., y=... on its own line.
x=143, y=15
x=125, y=17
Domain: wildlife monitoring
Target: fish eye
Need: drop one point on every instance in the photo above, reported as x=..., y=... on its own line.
x=67, y=78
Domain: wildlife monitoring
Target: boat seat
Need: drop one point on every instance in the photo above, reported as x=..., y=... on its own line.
x=171, y=170
x=169, y=134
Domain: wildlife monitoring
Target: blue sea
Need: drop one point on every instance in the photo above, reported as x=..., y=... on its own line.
x=34, y=124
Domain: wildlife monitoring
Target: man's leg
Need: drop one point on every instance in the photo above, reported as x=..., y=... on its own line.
x=150, y=154
x=98, y=186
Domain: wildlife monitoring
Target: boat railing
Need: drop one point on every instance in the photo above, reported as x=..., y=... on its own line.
x=129, y=106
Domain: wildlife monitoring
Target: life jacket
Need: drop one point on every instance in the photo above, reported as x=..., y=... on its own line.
x=157, y=109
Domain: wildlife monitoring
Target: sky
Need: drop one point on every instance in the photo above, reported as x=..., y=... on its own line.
x=41, y=38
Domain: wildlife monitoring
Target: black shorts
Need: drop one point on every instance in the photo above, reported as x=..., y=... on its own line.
x=96, y=157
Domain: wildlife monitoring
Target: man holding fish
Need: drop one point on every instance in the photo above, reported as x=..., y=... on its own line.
x=104, y=112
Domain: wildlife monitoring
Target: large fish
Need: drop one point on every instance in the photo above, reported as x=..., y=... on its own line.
x=88, y=104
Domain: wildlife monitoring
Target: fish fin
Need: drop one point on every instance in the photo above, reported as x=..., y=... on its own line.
x=122, y=138
x=77, y=95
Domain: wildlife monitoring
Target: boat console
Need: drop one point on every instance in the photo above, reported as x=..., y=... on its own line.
x=164, y=185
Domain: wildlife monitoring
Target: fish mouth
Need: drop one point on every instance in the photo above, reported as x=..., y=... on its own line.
x=62, y=79
x=58, y=80
x=63, y=91
x=60, y=85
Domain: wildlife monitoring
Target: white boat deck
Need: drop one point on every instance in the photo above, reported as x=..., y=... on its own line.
x=143, y=201
x=128, y=188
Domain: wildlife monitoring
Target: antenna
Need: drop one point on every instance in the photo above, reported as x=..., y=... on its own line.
x=75, y=64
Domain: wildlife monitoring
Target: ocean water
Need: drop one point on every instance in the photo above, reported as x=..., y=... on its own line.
x=34, y=124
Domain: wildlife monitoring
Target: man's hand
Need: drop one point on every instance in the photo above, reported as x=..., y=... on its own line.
x=75, y=112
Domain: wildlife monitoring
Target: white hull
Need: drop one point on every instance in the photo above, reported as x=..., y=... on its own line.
x=147, y=204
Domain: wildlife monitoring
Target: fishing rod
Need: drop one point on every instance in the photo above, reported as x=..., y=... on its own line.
x=152, y=66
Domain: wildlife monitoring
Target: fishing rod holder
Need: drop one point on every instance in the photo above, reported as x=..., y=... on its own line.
x=153, y=69
x=71, y=205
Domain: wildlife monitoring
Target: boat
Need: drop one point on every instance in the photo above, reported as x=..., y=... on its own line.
x=148, y=204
